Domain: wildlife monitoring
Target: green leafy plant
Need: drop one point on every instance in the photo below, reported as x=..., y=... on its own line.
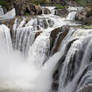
x=59, y=6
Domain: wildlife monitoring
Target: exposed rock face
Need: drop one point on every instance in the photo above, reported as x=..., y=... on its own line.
x=58, y=34
x=61, y=12
x=85, y=16
x=23, y=7
x=87, y=88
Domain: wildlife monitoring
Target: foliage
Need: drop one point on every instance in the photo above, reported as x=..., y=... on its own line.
x=59, y=6
x=3, y=3
x=84, y=2
x=39, y=2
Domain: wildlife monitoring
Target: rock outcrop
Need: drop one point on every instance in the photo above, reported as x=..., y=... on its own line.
x=87, y=88
x=85, y=16
x=61, y=12
x=25, y=8
x=62, y=31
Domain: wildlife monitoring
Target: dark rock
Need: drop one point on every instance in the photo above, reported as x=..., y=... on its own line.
x=61, y=12
x=46, y=11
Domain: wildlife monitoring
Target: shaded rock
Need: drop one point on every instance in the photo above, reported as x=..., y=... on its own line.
x=61, y=12
x=37, y=34
x=46, y=11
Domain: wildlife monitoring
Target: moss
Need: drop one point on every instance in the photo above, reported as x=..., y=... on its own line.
x=41, y=2
x=4, y=3
x=87, y=27
x=59, y=6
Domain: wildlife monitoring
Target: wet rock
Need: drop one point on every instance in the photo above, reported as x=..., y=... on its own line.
x=60, y=33
x=61, y=12
x=46, y=11
x=87, y=88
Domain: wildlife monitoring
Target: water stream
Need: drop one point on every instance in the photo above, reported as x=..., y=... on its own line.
x=27, y=66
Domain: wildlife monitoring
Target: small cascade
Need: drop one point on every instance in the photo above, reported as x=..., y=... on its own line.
x=71, y=16
x=72, y=12
x=1, y=10
x=40, y=49
x=9, y=15
x=5, y=39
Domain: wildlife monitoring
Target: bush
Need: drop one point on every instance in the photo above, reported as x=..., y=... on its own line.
x=59, y=6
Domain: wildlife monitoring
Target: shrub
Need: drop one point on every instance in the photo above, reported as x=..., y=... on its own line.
x=59, y=6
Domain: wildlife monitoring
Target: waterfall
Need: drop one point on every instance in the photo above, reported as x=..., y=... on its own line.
x=1, y=10
x=9, y=15
x=72, y=12
x=5, y=39
x=28, y=62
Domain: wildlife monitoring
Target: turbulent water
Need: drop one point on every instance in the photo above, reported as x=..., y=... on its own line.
x=28, y=62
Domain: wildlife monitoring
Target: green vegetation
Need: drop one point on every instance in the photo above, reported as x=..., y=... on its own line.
x=59, y=6
x=3, y=3
x=41, y=2
x=84, y=2
x=87, y=27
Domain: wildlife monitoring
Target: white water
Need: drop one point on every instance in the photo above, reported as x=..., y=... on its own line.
x=1, y=10
x=34, y=72
x=72, y=12
x=9, y=15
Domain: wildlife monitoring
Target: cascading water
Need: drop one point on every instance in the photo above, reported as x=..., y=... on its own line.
x=31, y=65
x=73, y=11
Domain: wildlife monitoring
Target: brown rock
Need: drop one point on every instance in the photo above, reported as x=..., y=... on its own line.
x=61, y=12
x=85, y=16
x=87, y=88
x=62, y=31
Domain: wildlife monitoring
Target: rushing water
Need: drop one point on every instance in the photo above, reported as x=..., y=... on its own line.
x=28, y=63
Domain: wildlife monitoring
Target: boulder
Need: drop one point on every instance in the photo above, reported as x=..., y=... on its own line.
x=25, y=8
x=85, y=16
